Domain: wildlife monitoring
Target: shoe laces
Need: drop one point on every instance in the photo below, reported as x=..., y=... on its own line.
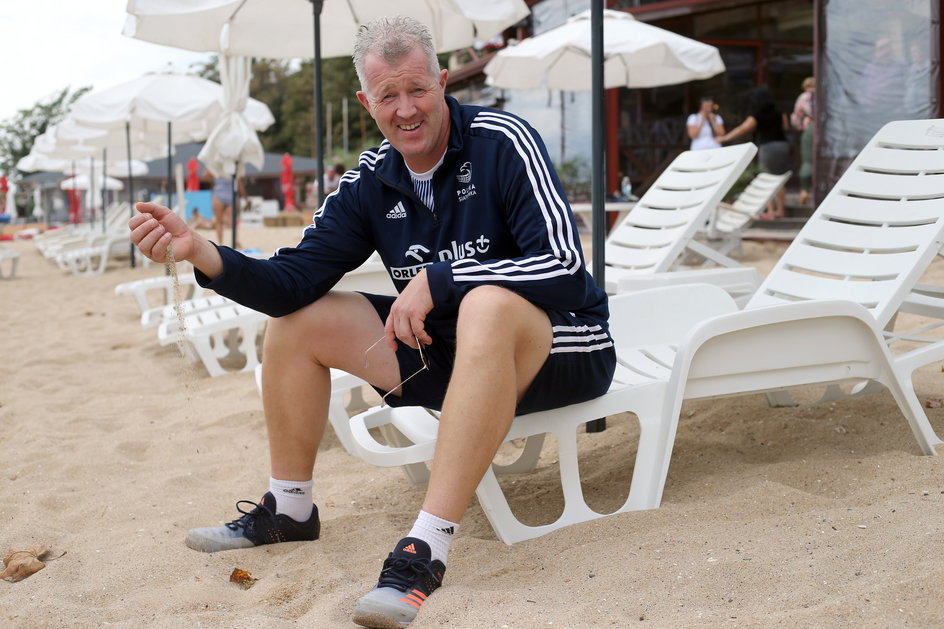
x=249, y=518
x=401, y=572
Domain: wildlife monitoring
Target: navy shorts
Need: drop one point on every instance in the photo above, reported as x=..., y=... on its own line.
x=565, y=378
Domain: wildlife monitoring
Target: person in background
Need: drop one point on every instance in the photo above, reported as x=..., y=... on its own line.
x=773, y=152
x=496, y=315
x=802, y=121
x=333, y=178
x=704, y=126
x=222, y=203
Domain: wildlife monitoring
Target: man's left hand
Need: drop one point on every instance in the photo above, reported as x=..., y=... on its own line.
x=408, y=314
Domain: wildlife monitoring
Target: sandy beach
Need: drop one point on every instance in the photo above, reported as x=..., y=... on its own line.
x=113, y=446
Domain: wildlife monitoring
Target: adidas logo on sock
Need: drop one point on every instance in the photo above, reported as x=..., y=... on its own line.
x=449, y=530
x=294, y=490
x=410, y=549
x=398, y=211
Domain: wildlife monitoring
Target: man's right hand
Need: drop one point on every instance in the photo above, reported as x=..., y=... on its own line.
x=156, y=228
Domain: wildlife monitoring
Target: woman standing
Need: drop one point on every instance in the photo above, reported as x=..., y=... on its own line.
x=773, y=153
x=802, y=120
x=705, y=125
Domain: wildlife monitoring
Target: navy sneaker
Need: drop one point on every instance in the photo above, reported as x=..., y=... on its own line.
x=254, y=528
x=408, y=577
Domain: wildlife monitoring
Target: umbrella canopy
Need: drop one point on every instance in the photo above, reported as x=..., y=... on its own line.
x=84, y=182
x=282, y=29
x=36, y=161
x=635, y=55
x=192, y=104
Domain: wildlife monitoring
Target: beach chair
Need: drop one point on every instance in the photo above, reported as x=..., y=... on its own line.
x=93, y=256
x=729, y=220
x=54, y=242
x=151, y=294
x=818, y=318
x=8, y=258
x=659, y=231
x=231, y=331
x=212, y=332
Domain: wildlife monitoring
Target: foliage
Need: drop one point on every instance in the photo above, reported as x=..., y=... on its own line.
x=18, y=133
x=574, y=174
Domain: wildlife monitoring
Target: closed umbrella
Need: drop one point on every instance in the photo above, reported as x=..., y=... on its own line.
x=193, y=177
x=285, y=29
x=287, y=179
x=233, y=142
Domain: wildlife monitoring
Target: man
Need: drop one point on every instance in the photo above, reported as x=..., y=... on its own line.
x=496, y=313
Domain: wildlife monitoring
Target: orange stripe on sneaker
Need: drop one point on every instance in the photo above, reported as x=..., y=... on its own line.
x=410, y=601
x=419, y=593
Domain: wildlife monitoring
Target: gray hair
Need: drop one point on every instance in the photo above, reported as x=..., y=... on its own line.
x=391, y=39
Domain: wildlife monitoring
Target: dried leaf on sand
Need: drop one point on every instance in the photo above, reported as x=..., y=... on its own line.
x=243, y=578
x=22, y=563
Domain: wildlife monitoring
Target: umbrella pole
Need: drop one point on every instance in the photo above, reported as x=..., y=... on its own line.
x=316, y=6
x=235, y=207
x=597, y=176
x=104, y=187
x=170, y=167
x=90, y=197
x=130, y=182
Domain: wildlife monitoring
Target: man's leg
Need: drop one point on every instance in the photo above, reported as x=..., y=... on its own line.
x=502, y=341
x=299, y=350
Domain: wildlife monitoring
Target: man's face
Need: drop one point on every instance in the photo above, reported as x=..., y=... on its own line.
x=408, y=106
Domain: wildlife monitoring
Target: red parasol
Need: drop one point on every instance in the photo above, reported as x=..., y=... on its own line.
x=4, y=187
x=75, y=206
x=193, y=169
x=288, y=183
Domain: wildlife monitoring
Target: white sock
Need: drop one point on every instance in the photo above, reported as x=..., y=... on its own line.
x=292, y=498
x=436, y=532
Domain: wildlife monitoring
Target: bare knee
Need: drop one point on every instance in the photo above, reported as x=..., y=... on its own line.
x=492, y=315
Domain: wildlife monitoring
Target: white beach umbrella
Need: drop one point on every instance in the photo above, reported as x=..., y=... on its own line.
x=189, y=107
x=635, y=55
x=286, y=29
x=192, y=105
x=282, y=29
x=35, y=161
x=84, y=181
x=623, y=52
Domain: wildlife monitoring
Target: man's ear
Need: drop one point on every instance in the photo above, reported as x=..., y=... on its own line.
x=362, y=97
x=443, y=76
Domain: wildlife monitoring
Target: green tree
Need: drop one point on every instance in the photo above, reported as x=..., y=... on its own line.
x=18, y=133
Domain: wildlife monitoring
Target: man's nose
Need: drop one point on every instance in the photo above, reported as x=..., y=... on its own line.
x=406, y=106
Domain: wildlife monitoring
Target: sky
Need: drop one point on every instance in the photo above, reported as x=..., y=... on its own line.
x=47, y=45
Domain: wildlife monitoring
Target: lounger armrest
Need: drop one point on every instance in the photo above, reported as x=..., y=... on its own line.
x=382, y=455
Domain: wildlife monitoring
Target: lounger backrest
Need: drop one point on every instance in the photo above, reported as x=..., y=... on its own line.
x=653, y=234
x=752, y=202
x=876, y=231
